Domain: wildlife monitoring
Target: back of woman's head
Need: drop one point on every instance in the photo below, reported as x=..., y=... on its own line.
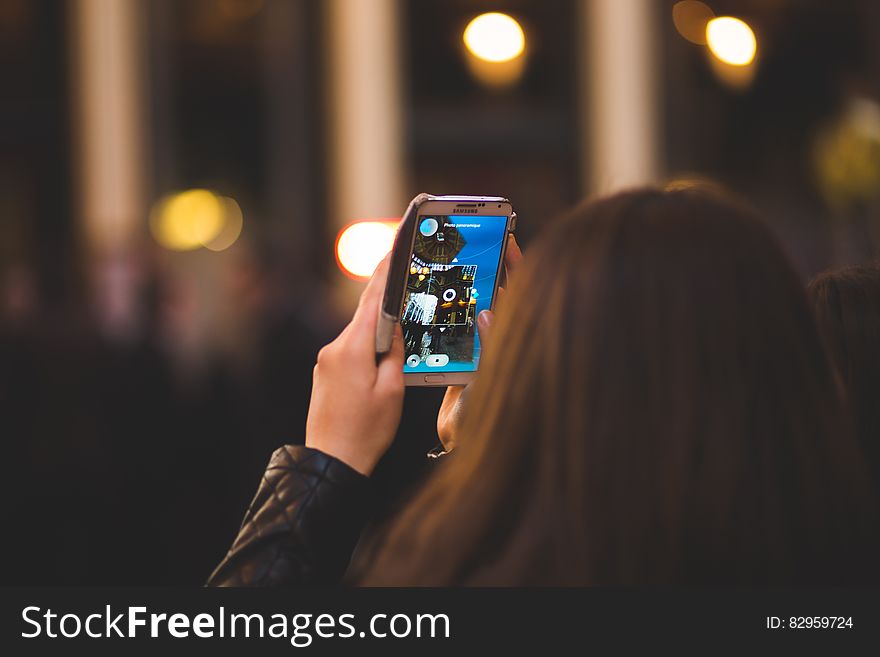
x=655, y=407
x=847, y=305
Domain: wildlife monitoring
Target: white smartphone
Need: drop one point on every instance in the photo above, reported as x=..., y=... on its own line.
x=446, y=265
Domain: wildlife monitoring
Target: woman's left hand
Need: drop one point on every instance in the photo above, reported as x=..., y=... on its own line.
x=356, y=402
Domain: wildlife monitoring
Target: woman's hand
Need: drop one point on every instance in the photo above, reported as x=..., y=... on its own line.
x=449, y=417
x=356, y=402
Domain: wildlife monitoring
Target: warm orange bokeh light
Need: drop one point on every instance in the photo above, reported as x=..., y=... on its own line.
x=731, y=40
x=361, y=245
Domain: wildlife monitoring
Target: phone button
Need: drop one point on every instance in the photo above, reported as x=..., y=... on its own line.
x=435, y=378
x=437, y=360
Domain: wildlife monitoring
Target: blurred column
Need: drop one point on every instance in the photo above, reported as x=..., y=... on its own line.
x=108, y=96
x=365, y=118
x=619, y=74
x=107, y=93
x=289, y=139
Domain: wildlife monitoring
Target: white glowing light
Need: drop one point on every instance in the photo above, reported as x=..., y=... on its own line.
x=731, y=40
x=495, y=37
x=361, y=246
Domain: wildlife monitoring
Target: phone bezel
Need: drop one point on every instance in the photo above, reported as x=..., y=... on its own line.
x=486, y=206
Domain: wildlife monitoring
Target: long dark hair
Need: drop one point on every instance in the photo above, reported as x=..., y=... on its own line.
x=847, y=305
x=656, y=406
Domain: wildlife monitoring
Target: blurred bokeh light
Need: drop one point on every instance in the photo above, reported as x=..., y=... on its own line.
x=233, y=222
x=194, y=218
x=360, y=246
x=690, y=18
x=731, y=40
x=846, y=156
x=495, y=37
x=495, y=49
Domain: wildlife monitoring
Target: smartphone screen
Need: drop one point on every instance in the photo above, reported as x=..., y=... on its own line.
x=452, y=276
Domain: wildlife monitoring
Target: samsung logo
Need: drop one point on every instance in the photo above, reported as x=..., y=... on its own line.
x=466, y=211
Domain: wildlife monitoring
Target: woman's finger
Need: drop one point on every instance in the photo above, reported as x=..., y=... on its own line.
x=513, y=256
x=484, y=326
x=449, y=416
x=389, y=378
x=375, y=288
x=362, y=328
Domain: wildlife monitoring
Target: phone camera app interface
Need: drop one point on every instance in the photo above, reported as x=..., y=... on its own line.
x=451, y=279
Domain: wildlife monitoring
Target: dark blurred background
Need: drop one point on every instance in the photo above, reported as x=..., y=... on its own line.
x=174, y=175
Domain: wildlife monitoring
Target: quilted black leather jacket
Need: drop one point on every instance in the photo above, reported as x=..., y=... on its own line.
x=302, y=525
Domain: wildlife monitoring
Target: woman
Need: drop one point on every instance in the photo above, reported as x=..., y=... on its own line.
x=847, y=305
x=654, y=407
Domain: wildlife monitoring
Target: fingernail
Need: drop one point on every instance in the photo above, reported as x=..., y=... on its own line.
x=484, y=319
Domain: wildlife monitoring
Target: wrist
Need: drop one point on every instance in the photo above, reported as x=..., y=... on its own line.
x=353, y=458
